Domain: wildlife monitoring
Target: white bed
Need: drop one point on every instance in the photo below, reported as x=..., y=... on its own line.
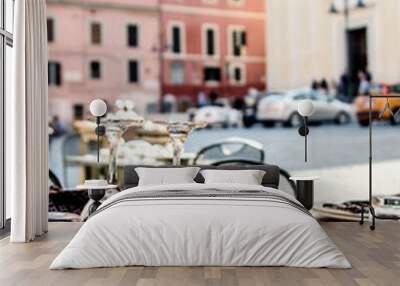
x=265, y=229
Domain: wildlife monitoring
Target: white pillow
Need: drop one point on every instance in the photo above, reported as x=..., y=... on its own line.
x=247, y=177
x=166, y=176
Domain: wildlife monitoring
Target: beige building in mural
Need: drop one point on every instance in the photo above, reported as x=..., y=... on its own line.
x=306, y=41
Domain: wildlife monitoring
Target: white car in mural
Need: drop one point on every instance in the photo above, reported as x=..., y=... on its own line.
x=218, y=116
x=283, y=108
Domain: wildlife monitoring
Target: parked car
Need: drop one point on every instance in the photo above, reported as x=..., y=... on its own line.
x=250, y=108
x=378, y=105
x=283, y=108
x=218, y=116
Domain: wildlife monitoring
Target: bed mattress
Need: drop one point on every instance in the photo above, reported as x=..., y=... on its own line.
x=201, y=225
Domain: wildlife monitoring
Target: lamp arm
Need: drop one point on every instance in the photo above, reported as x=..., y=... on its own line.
x=305, y=139
x=98, y=138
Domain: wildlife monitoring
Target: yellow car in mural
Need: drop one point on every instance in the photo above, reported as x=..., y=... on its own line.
x=382, y=108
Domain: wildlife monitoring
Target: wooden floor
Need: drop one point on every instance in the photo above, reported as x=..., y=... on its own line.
x=375, y=257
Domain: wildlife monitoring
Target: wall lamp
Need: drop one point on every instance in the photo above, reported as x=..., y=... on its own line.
x=98, y=108
x=305, y=109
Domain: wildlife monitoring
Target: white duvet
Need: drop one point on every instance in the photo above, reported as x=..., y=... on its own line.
x=200, y=232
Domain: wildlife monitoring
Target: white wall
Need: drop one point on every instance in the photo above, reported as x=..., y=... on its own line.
x=306, y=42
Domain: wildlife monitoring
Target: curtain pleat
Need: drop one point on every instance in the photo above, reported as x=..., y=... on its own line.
x=28, y=136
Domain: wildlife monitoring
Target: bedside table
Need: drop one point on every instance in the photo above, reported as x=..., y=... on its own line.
x=96, y=194
x=305, y=190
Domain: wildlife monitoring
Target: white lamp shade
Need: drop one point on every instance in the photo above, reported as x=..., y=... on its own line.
x=305, y=107
x=98, y=108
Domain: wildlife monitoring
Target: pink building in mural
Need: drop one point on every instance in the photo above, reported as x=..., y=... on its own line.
x=102, y=49
x=124, y=48
x=213, y=45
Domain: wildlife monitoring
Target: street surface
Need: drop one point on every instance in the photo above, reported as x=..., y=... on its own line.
x=328, y=145
x=338, y=155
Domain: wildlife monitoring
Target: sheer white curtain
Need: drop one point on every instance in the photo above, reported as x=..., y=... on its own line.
x=27, y=124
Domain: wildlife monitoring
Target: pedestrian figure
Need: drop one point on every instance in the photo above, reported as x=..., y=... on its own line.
x=238, y=103
x=344, y=91
x=315, y=85
x=324, y=87
x=201, y=99
x=364, y=83
x=57, y=127
x=213, y=97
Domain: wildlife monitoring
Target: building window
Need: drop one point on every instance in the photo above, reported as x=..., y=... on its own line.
x=177, y=73
x=176, y=39
x=95, y=33
x=50, y=30
x=133, y=35
x=210, y=41
x=54, y=73
x=95, y=69
x=238, y=75
x=212, y=74
x=78, y=111
x=238, y=41
x=133, y=71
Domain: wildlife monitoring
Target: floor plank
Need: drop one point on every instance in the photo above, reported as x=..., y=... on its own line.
x=375, y=257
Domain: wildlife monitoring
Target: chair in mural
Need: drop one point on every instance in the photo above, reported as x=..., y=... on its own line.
x=231, y=149
x=65, y=204
x=239, y=151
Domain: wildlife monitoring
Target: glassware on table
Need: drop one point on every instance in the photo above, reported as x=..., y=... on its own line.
x=113, y=134
x=114, y=129
x=179, y=132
